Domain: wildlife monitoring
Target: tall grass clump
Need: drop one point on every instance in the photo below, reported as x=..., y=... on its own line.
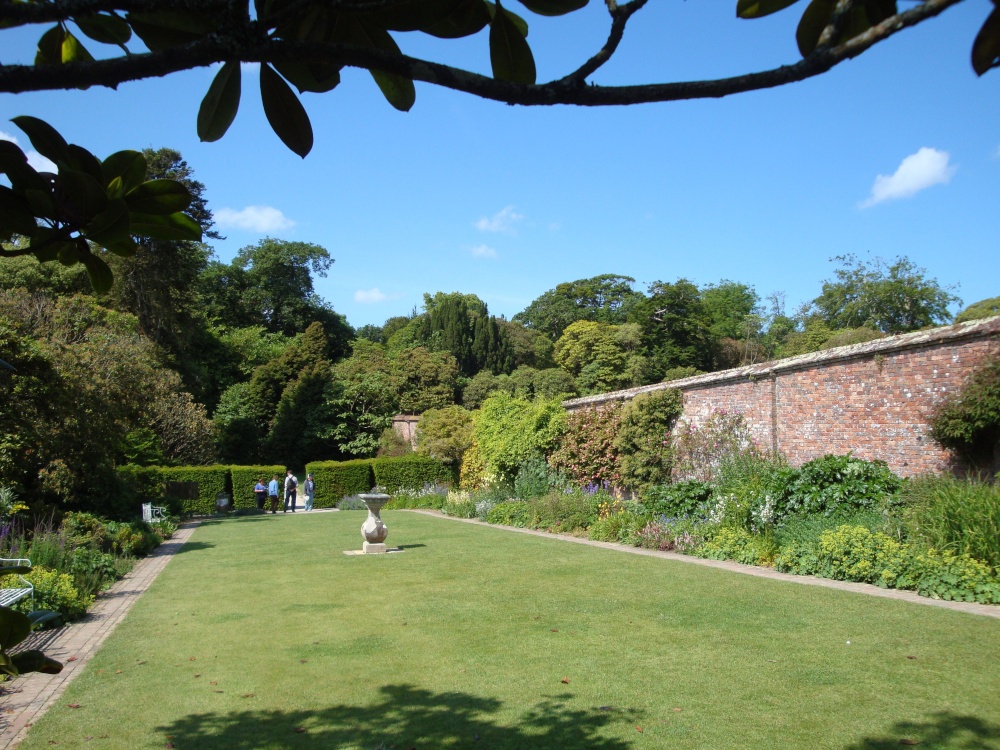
x=954, y=515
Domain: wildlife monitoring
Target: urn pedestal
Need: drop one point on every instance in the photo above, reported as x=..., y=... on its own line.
x=373, y=530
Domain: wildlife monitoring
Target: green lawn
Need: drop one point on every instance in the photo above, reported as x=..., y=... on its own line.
x=262, y=634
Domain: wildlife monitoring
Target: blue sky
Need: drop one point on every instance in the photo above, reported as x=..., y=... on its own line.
x=894, y=153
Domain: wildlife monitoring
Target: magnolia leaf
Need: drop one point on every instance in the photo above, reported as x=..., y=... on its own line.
x=74, y=51
x=521, y=24
x=129, y=167
x=986, y=48
x=86, y=193
x=398, y=90
x=106, y=29
x=81, y=159
x=466, y=19
x=162, y=29
x=35, y=661
x=69, y=253
x=510, y=54
x=284, y=112
x=112, y=226
x=16, y=217
x=44, y=138
x=160, y=197
x=557, y=7
x=218, y=108
x=811, y=25
x=50, y=47
x=41, y=203
x=761, y=8
x=317, y=78
x=14, y=628
x=413, y=15
x=100, y=274
x=174, y=227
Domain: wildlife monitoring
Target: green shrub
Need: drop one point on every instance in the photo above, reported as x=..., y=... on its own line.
x=132, y=539
x=430, y=496
x=139, y=484
x=50, y=548
x=969, y=422
x=564, y=511
x=211, y=481
x=244, y=478
x=953, y=515
x=535, y=478
x=643, y=444
x=459, y=504
x=587, y=452
x=804, y=531
x=351, y=502
x=410, y=472
x=734, y=543
x=85, y=530
x=511, y=513
x=622, y=526
x=834, y=485
x=508, y=431
x=55, y=591
x=92, y=570
x=678, y=500
x=944, y=575
x=336, y=480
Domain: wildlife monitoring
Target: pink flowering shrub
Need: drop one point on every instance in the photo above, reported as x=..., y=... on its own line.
x=587, y=452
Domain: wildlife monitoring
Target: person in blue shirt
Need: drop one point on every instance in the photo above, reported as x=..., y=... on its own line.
x=272, y=493
x=260, y=493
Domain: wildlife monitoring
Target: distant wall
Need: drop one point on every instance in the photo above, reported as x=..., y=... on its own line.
x=872, y=399
x=405, y=426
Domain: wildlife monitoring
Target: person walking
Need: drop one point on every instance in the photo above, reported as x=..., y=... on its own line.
x=291, y=489
x=272, y=492
x=310, y=488
x=260, y=493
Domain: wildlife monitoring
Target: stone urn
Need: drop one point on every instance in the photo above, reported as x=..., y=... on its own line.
x=373, y=530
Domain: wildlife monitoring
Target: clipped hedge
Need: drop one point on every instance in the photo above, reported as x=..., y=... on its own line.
x=410, y=472
x=338, y=479
x=245, y=477
x=211, y=480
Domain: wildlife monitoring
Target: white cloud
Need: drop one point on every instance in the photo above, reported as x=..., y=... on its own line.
x=484, y=251
x=370, y=296
x=502, y=221
x=253, y=218
x=37, y=162
x=919, y=171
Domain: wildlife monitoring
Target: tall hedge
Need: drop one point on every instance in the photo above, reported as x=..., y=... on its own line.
x=245, y=477
x=410, y=472
x=212, y=480
x=338, y=479
x=137, y=485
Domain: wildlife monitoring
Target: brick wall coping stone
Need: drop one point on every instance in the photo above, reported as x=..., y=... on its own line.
x=975, y=329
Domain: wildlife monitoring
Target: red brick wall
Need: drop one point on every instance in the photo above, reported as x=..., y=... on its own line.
x=871, y=399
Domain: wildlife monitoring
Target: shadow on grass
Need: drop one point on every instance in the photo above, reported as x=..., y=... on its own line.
x=194, y=546
x=943, y=730
x=405, y=717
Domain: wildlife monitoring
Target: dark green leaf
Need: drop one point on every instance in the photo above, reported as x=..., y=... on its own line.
x=16, y=216
x=86, y=193
x=284, y=112
x=160, y=197
x=44, y=138
x=41, y=203
x=315, y=77
x=35, y=661
x=557, y=7
x=986, y=48
x=126, y=248
x=111, y=226
x=163, y=29
x=50, y=47
x=45, y=243
x=100, y=274
x=130, y=166
x=509, y=51
x=398, y=90
x=519, y=22
x=761, y=8
x=81, y=159
x=105, y=29
x=468, y=18
x=811, y=25
x=69, y=253
x=218, y=108
x=14, y=628
x=174, y=227
x=412, y=15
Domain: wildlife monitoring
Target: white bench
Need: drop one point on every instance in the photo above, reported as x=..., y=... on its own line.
x=10, y=596
x=153, y=513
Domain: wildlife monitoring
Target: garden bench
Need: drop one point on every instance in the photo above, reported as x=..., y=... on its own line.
x=153, y=513
x=10, y=596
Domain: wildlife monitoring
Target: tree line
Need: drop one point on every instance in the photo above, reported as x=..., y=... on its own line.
x=189, y=360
